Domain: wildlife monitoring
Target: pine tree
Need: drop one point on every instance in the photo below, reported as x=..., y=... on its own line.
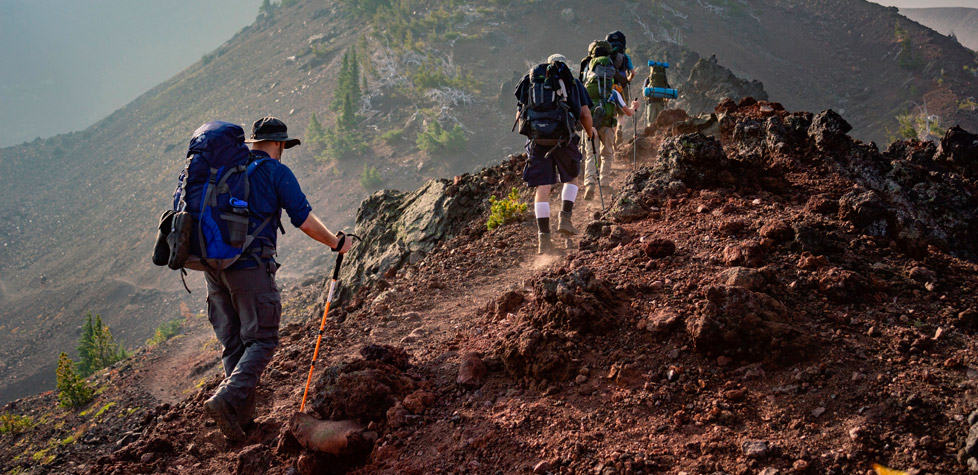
x=96, y=347
x=348, y=118
x=73, y=391
x=315, y=133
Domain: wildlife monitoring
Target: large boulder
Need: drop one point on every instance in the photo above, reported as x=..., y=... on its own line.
x=828, y=132
x=696, y=160
x=399, y=228
x=960, y=149
x=738, y=322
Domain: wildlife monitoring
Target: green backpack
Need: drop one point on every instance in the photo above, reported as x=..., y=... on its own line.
x=600, y=84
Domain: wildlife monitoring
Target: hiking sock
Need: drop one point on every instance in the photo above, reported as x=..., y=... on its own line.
x=568, y=195
x=542, y=210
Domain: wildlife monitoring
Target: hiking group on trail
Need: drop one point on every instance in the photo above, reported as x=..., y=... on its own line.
x=227, y=208
x=553, y=107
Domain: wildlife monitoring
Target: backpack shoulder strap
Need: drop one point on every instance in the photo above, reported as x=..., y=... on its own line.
x=251, y=168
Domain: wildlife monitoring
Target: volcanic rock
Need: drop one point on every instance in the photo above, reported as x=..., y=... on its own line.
x=738, y=322
x=471, y=371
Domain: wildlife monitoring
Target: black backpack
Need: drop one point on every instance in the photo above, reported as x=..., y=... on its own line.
x=546, y=117
x=617, y=41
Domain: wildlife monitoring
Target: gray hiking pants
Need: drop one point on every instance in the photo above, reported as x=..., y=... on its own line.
x=652, y=111
x=244, y=307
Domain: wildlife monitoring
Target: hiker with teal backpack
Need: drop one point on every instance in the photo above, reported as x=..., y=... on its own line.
x=551, y=105
x=598, y=72
x=227, y=212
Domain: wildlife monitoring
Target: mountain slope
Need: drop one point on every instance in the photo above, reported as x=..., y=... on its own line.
x=961, y=22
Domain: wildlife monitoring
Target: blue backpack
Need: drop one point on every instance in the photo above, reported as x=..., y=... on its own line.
x=211, y=216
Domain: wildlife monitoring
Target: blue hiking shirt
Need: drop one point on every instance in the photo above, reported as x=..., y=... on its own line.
x=273, y=188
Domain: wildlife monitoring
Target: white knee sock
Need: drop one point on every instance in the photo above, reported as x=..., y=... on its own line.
x=542, y=209
x=569, y=192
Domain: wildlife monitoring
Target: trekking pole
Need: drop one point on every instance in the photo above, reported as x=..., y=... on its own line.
x=322, y=326
x=634, y=137
x=597, y=171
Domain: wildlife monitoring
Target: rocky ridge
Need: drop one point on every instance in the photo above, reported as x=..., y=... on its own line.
x=777, y=298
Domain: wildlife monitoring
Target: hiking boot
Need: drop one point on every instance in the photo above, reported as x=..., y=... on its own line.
x=248, y=409
x=546, y=245
x=564, y=225
x=223, y=415
x=588, y=192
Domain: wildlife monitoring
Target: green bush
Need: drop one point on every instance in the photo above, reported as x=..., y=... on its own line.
x=73, y=391
x=165, y=331
x=392, y=136
x=14, y=423
x=370, y=178
x=505, y=210
x=436, y=140
x=342, y=145
x=96, y=347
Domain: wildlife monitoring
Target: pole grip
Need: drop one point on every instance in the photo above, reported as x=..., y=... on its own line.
x=336, y=268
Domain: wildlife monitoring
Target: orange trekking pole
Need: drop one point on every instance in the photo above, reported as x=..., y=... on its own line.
x=322, y=326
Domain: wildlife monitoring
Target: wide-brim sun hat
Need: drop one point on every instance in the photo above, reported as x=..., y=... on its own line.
x=557, y=57
x=271, y=129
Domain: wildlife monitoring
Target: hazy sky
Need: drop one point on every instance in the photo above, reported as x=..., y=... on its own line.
x=69, y=63
x=928, y=3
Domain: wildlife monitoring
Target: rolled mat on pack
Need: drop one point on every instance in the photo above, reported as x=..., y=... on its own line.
x=661, y=92
x=653, y=64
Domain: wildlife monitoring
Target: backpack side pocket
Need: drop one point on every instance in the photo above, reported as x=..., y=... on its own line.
x=161, y=251
x=179, y=239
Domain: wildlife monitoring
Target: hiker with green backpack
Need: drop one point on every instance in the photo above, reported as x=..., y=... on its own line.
x=598, y=72
x=551, y=104
x=657, y=78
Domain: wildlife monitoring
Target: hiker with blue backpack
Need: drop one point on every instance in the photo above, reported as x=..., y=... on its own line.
x=598, y=73
x=226, y=215
x=551, y=105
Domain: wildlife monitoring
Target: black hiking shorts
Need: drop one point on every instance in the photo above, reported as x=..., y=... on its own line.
x=562, y=166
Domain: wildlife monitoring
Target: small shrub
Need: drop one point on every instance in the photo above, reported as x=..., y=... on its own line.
x=73, y=391
x=342, y=145
x=436, y=140
x=165, y=331
x=505, y=210
x=392, y=136
x=370, y=178
x=15, y=423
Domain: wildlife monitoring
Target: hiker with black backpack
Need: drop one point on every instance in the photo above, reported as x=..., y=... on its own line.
x=625, y=71
x=551, y=104
x=599, y=72
x=227, y=211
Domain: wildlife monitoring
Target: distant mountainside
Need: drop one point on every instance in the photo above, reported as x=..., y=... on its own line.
x=961, y=22
x=80, y=209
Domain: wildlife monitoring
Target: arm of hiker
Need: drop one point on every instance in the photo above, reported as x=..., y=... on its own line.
x=586, y=121
x=315, y=229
